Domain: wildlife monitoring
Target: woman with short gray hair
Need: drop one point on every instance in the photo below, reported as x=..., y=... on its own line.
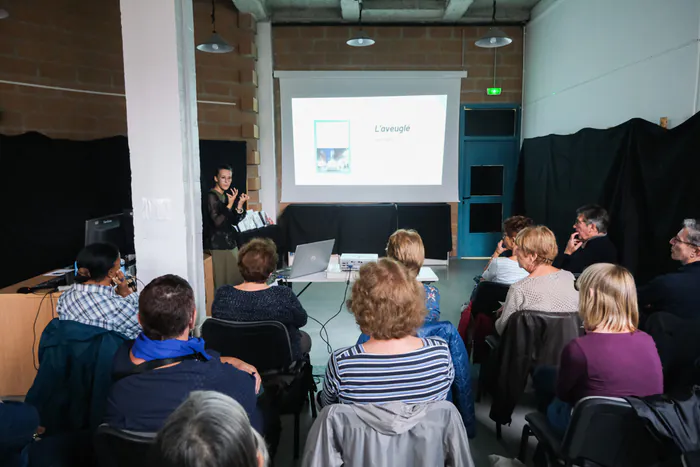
x=210, y=429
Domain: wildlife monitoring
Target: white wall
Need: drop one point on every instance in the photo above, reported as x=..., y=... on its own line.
x=598, y=63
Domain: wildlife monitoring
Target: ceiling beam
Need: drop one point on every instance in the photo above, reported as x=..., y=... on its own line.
x=350, y=9
x=455, y=9
x=256, y=8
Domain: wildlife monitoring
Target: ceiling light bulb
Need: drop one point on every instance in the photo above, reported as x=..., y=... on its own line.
x=493, y=40
x=360, y=41
x=215, y=46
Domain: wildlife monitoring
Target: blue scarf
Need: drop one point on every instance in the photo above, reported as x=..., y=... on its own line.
x=148, y=349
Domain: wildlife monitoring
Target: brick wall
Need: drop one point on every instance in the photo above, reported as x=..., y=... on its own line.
x=77, y=44
x=71, y=44
x=229, y=78
x=403, y=48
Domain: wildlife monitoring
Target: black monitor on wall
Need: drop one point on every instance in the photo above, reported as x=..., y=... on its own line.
x=117, y=229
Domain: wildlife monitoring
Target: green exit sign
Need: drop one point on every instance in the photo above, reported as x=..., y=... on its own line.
x=493, y=91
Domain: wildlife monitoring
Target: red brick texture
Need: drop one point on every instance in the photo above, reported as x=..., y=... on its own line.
x=404, y=48
x=77, y=44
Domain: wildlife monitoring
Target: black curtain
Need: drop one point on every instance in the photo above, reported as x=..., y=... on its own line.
x=50, y=187
x=365, y=228
x=644, y=175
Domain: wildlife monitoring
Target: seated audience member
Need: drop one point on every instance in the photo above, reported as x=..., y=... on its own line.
x=101, y=297
x=678, y=293
x=389, y=306
x=614, y=358
x=254, y=300
x=155, y=373
x=506, y=270
x=546, y=288
x=210, y=429
x=406, y=247
x=590, y=243
x=19, y=423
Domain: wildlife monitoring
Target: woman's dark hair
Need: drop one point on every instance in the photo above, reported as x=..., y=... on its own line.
x=257, y=260
x=513, y=225
x=222, y=167
x=165, y=307
x=95, y=260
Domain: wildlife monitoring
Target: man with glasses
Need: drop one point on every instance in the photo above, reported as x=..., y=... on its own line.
x=589, y=244
x=678, y=292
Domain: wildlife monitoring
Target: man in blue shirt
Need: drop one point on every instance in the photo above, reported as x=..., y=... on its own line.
x=157, y=372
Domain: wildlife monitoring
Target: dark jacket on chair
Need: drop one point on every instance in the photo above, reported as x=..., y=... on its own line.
x=530, y=339
x=75, y=375
x=675, y=420
x=462, y=386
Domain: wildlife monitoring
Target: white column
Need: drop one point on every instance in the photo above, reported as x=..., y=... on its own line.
x=159, y=72
x=266, y=120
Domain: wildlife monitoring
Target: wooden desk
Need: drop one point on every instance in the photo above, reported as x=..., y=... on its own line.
x=19, y=332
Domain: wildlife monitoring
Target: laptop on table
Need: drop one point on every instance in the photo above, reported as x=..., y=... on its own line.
x=309, y=258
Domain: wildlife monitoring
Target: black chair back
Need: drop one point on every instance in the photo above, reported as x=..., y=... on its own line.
x=530, y=339
x=607, y=432
x=487, y=297
x=264, y=344
x=121, y=448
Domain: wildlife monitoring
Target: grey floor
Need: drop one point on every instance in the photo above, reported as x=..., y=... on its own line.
x=322, y=301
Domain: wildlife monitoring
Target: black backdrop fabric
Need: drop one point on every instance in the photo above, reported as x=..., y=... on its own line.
x=50, y=187
x=365, y=228
x=646, y=176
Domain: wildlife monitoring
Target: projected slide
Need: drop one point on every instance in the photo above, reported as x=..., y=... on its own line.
x=396, y=140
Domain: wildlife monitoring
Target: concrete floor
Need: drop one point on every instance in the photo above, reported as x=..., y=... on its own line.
x=322, y=301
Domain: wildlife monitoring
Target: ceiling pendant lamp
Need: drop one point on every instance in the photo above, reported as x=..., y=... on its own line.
x=361, y=39
x=3, y=13
x=494, y=37
x=215, y=44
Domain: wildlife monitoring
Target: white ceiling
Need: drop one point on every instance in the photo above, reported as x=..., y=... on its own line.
x=387, y=11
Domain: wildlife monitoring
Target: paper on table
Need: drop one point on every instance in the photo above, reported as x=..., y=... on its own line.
x=58, y=272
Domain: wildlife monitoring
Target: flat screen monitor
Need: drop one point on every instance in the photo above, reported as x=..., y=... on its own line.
x=117, y=229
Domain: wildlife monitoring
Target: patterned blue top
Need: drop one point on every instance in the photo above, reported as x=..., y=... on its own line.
x=356, y=377
x=101, y=306
x=432, y=303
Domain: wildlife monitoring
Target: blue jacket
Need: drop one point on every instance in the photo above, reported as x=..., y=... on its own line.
x=462, y=386
x=75, y=374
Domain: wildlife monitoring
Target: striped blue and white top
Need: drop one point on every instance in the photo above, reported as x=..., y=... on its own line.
x=356, y=377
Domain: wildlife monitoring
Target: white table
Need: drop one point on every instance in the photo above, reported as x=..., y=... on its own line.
x=334, y=275
x=426, y=274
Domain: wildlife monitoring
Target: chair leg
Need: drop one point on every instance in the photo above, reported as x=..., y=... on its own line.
x=498, y=431
x=479, y=386
x=312, y=402
x=296, y=435
x=522, y=453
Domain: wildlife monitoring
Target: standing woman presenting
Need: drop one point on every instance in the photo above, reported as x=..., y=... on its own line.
x=223, y=215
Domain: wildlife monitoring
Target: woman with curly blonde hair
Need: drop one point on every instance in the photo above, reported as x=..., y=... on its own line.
x=394, y=365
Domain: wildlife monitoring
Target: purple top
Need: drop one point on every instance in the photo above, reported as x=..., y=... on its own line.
x=612, y=365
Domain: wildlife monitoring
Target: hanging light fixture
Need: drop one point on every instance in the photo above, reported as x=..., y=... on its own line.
x=216, y=44
x=494, y=37
x=3, y=13
x=361, y=39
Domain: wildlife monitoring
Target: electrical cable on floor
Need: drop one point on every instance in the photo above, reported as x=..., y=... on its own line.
x=36, y=318
x=326, y=338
